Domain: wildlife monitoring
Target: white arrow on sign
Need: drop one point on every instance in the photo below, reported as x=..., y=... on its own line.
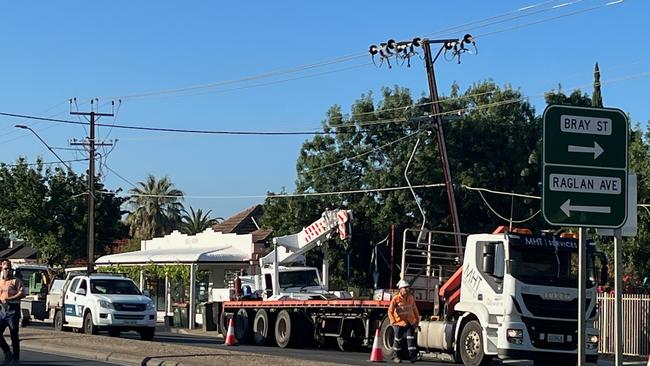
x=567, y=208
x=596, y=150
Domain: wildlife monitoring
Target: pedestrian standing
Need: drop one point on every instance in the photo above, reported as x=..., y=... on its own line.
x=11, y=291
x=405, y=318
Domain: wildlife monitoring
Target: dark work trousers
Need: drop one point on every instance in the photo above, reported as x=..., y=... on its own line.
x=411, y=350
x=12, y=320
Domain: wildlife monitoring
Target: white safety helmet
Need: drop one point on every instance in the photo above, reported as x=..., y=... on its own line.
x=403, y=283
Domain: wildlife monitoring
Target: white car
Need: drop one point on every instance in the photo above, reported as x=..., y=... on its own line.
x=106, y=302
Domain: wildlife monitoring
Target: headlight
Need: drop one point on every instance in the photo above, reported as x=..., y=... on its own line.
x=515, y=336
x=106, y=304
x=592, y=339
x=515, y=333
x=151, y=306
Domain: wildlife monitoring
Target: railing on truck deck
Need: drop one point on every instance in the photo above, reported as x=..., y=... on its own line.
x=429, y=261
x=636, y=324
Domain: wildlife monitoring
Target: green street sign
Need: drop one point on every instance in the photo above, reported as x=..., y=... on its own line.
x=584, y=166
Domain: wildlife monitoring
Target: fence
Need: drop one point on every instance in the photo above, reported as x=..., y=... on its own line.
x=636, y=324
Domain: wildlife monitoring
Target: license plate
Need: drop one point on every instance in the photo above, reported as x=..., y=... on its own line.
x=556, y=338
x=130, y=322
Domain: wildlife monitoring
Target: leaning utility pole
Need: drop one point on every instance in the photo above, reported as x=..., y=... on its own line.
x=91, y=144
x=404, y=51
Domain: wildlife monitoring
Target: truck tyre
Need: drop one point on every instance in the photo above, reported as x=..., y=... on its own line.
x=58, y=321
x=285, y=329
x=263, y=329
x=146, y=334
x=387, y=336
x=243, y=326
x=471, y=345
x=88, y=326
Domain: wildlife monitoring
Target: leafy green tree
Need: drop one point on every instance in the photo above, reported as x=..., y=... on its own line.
x=195, y=222
x=47, y=208
x=155, y=208
x=494, y=146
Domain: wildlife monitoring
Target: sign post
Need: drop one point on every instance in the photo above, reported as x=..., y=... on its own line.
x=584, y=179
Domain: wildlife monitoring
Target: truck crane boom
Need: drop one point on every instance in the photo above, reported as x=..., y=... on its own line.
x=296, y=245
x=316, y=234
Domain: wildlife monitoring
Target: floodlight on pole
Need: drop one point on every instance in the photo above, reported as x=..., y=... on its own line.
x=44, y=143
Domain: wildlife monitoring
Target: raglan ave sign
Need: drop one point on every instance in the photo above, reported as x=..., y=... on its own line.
x=585, y=166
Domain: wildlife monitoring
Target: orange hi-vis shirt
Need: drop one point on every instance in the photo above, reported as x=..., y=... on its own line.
x=403, y=311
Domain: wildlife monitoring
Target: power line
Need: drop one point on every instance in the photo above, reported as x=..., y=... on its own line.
x=46, y=163
x=550, y=18
x=355, y=124
x=487, y=22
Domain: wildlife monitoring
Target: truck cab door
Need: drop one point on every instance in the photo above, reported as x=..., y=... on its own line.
x=70, y=309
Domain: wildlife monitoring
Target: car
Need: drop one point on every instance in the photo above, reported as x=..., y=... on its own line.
x=105, y=302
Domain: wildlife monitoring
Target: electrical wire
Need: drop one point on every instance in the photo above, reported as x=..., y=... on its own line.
x=119, y=176
x=244, y=79
x=488, y=21
x=499, y=192
x=277, y=133
x=503, y=218
x=548, y=19
x=46, y=163
x=362, y=154
x=306, y=194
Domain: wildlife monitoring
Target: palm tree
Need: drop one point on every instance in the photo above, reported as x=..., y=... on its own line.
x=196, y=222
x=155, y=208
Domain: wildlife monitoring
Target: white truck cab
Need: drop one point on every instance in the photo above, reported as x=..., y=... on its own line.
x=105, y=301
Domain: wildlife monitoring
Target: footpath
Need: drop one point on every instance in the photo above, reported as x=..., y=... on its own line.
x=142, y=353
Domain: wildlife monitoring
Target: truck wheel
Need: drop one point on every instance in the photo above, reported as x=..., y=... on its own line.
x=89, y=327
x=471, y=345
x=146, y=334
x=387, y=336
x=243, y=326
x=284, y=329
x=58, y=321
x=263, y=333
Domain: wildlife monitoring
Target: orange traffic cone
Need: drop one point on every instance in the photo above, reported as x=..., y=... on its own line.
x=230, y=335
x=377, y=354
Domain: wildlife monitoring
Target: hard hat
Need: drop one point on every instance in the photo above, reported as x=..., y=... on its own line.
x=403, y=283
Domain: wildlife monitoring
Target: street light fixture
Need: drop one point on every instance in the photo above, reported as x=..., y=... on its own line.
x=44, y=143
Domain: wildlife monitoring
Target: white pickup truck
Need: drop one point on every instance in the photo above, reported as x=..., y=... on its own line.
x=102, y=302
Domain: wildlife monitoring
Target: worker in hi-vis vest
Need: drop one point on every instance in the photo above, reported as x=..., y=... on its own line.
x=404, y=317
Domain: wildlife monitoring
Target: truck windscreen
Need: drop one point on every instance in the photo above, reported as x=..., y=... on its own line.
x=548, y=265
x=298, y=279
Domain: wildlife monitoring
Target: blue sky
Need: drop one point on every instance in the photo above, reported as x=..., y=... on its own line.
x=53, y=51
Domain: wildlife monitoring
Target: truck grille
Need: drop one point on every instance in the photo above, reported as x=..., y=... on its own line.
x=129, y=307
x=552, y=308
x=128, y=317
x=539, y=330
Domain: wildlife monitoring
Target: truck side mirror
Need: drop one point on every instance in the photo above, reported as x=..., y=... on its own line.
x=604, y=275
x=81, y=291
x=488, y=258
